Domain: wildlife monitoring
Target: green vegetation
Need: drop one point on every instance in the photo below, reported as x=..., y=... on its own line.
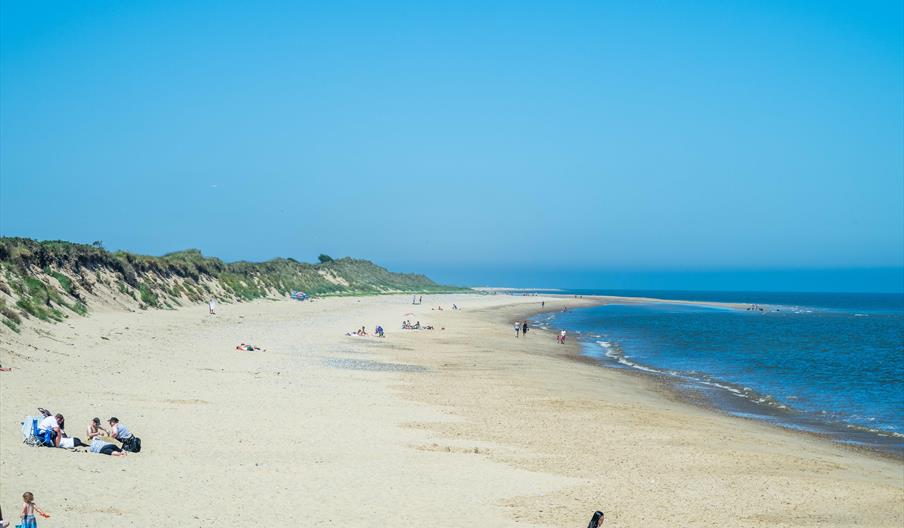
x=65, y=282
x=9, y=313
x=174, y=278
x=12, y=326
x=148, y=297
x=10, y=318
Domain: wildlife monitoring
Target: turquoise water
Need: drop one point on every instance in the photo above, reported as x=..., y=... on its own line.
x=827, y=363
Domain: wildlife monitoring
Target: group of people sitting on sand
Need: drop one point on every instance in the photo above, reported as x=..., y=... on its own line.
x=52, y=433
x=406, y=325
x=362, y=332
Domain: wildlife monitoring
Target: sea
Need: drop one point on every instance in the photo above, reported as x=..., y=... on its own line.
x=830, y=364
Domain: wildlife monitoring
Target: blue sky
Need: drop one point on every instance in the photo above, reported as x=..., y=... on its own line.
x=463, y=138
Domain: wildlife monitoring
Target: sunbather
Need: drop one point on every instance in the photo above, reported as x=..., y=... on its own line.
x=95, y=430
x=49, y=430
x=247, y=348
x=119, y=431
x=103, y=447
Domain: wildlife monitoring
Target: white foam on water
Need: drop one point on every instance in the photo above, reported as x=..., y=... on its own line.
x=612, y=353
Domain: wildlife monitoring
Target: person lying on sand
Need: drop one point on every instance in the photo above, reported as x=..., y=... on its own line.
x=102, y=447
x=247, y=348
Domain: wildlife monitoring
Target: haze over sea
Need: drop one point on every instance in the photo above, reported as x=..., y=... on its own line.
x=822, y=362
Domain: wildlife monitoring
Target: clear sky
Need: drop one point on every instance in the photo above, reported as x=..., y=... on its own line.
x=463, y=138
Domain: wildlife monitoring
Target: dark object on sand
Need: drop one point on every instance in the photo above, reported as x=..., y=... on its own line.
x=597, y=520
x=132, y=445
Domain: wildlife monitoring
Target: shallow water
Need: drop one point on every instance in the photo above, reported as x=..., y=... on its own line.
x=827, y=363
x=366, y=364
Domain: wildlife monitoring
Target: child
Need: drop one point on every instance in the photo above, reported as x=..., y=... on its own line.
x=28, y=511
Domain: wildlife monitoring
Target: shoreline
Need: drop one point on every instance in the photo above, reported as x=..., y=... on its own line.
x=501, y=432
x=831, y=432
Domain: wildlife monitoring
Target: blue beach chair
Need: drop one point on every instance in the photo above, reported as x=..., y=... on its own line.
x=30, y=432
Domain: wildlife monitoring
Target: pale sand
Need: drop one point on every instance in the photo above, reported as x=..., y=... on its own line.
x=465, y=426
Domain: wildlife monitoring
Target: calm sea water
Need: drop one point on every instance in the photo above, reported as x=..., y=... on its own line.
x=827, y=363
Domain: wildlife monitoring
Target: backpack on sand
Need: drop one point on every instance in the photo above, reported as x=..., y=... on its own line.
x=132, y=445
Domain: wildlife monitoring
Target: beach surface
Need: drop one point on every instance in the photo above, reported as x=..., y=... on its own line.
x=459, y=426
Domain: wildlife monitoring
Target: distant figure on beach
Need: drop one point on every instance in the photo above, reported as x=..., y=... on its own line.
x=49, y=430
x=524, y=329
x=3, y=522
x=517, y=328
x=95, y=430
x=542, y=304
x=597, y=520
x=244, y=347
x=119, y=431
x=378, y=331
x=362, y=332
x=561, y=337
x=420, y=300
x=414, y=299
x=102, y=447
x=28, y=511
x=212, y=305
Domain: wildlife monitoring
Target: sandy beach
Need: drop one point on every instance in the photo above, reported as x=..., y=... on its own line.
x=459, y=426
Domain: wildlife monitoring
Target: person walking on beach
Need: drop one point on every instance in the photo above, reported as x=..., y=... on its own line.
x=212, y=305
x=524, y=329
x=561, y=337
x=28, y=511
x=517, y=328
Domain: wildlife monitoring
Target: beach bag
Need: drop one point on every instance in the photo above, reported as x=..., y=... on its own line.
x=132, y=445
